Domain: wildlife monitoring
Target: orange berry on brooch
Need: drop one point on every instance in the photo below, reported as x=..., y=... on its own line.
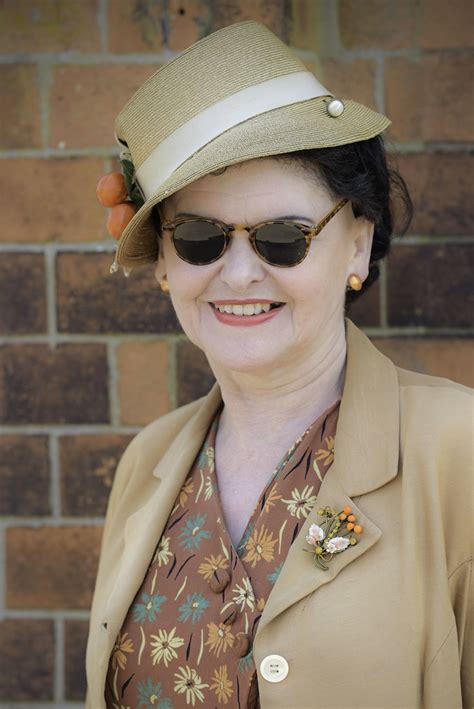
x=347, y=510
x=119, y=217
x=358, y=529
x=351, y=518
x=350, y=526
x=111, y=189
x=342, y=516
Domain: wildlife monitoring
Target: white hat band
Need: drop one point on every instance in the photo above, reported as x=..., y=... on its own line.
x=215, y=120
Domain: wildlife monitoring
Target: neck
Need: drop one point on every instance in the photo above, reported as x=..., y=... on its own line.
x=271, y=410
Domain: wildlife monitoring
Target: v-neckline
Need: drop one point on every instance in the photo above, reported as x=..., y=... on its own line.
x=251, y=523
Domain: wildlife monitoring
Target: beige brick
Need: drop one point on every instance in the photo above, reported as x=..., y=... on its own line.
x=22, y=294
x=431, y=285
x=75, y=642
x=441, y=188
x=304, y=24
x=135, y=27
x=417, y=111
x=27, y=660
x=92, y=300
x=452, y=358
x=387, y=24
x=49, y=25
x=143, y=381
x=189, y=21
x=24, y=475
x=51, y=567
x=59, y=203
x=87, y=467
x=447, y=25
x=85, y=101
x=354, y=80
x=21, y=118
x=271, y=13
x=63, y=384
x=195, y=377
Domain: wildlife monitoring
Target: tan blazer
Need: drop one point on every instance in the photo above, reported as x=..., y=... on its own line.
x=390, y=624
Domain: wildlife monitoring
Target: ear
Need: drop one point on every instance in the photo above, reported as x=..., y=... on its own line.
x=160, y=267
x=362, y=246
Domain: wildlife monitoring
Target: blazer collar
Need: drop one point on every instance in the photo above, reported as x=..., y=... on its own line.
x=367, y=435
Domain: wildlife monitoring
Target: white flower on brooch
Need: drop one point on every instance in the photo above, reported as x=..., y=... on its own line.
x=315, y=534
x=336, y=544
x=343, y=523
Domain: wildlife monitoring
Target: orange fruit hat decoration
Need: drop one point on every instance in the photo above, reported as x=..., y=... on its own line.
x=112, y=192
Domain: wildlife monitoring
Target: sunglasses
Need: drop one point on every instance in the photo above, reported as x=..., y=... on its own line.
x=202, y=241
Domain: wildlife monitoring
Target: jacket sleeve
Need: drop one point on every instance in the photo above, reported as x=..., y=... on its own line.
x=460, y=584
x=122, y=476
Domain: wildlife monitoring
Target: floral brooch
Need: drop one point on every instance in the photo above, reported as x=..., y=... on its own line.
x=333, y=535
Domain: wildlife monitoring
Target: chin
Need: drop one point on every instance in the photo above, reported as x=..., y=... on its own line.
x=253, y=362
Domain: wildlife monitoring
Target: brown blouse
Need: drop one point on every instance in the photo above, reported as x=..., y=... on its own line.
x=187, y=637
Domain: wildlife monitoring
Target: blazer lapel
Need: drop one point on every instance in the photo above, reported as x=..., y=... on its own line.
x=144, y=526
x=366, y=457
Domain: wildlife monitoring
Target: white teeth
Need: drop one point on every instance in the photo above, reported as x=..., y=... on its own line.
x=246, y=309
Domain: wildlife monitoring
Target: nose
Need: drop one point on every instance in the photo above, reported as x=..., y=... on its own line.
x=240, y=264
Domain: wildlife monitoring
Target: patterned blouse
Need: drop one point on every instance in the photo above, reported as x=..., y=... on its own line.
x=187, y=637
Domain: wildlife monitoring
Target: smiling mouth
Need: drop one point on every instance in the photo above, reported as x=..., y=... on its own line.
x=247, y=309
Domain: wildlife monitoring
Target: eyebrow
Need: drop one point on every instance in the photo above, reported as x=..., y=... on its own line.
x=294, y=217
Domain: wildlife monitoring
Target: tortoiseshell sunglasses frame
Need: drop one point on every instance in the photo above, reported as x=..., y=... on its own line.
x=309, y=232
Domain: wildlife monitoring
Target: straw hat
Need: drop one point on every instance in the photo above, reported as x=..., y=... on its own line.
x=237, y=94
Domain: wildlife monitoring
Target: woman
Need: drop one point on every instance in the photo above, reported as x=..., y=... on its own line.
x=299, y=536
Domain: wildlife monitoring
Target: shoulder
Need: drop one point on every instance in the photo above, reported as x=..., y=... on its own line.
x=149, y=445
x=432, y=405
x=436, y=418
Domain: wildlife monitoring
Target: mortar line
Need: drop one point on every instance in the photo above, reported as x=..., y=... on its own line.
x=103, y=27
x=50, y=259
x=54, y=476
x=77, y=58
x=59, y=660
x=329, y=38
x=9, y=521
x=59, y=247
x=37, y=614
x=109, y=247
x=379, y=87
x=42, y=705
x=62, y=152
x=114, y=400
x=112, y=152
x=44, y=85
x=88, y=58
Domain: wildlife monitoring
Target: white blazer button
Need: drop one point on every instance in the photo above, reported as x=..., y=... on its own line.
x=274, y=668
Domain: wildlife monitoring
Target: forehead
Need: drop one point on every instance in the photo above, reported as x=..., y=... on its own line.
x=255, y=188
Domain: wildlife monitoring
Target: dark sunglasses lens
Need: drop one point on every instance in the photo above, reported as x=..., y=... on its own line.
x=281, y=244
x=199, y=242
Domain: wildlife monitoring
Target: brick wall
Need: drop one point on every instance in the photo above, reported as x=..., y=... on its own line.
x=86, y=359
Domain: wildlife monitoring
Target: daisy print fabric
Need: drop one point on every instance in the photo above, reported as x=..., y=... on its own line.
x=187, y=637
